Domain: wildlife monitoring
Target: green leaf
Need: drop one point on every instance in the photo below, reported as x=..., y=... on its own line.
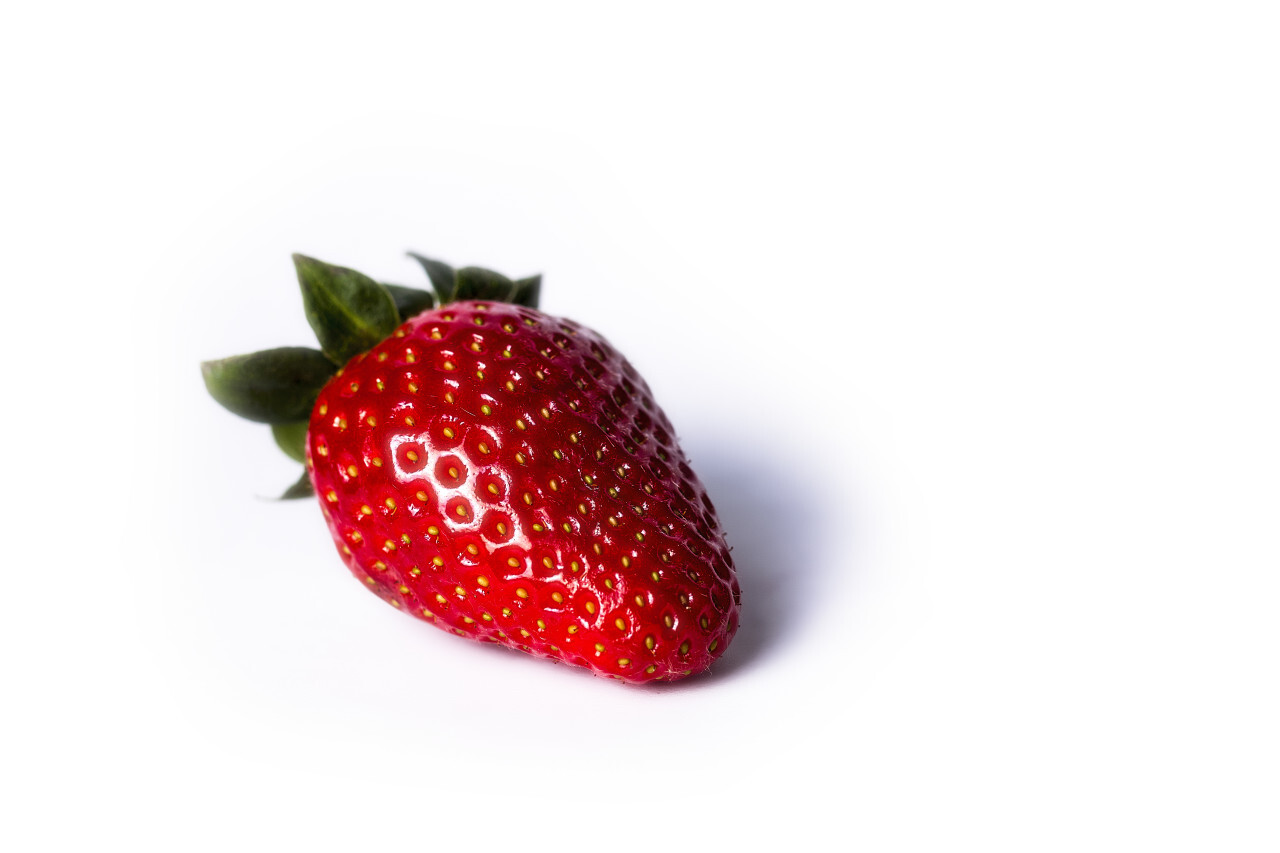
x=300, y=489
x=349, y=312
x=273, y=386
x=410, y=301
x=477, y=283
x=292, y=439
x=527, y=291
x=441, y=275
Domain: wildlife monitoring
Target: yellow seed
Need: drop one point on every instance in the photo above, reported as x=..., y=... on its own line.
x=485, y=409
x=322, y=450
x=448, y=365
x=408, y=421
x=486, y=617
x=388, y=545
x=409, y=356
x=537, y=528
x=519, y=424
x=468, y=620
x=379, y=566
x=404, y=590
x=371, y=421
x=640, y=601
x=650, y=642
x=366, y=510
x=554, y=486
x=573, y=566
x=377, y=461
x=599, y=648
x=684, y=647
x=331, y=496
x=546, y=561
x=521, y=592
x=528, y=498
x=573, y=438
x=624, y=661
x=351, y=470
x=461, y=511
x=573, y=629
x=411, y=456
x=626, y=561
x=482, y=580
x=506, y=611
x=502, y=529
x=524, y=633
x=413, y=388
x=415, y=572
x=390, y=502
x=369, y=580
x=620, y=624
x=482, y=447
x=704, y=623
x=520, y=457
x=432, y=530
x=608, y=582
x=472, y=549
x=422, y=496
x=324, y=409
x=453, y=473
x=512, y=562
x=590, y=607
x=492, y=489
x=427, y=613
x=448, y=397
x=557, y=597
x=460, y=592
x=448, y=432
x=712, y=647
x=440, y=598
x=670, y=623
x=437, y=561
x=541, y=625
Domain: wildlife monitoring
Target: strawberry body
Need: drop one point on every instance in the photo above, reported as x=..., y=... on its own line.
x=507, y=476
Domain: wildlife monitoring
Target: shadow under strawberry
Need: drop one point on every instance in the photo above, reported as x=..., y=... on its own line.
x=774, y=533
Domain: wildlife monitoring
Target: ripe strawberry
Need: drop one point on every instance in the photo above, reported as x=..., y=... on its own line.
x=501, y=473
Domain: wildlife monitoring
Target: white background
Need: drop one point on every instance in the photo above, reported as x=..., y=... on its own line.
x=966, y=314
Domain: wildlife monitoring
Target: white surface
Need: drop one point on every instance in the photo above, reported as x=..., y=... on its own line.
x=966, y=314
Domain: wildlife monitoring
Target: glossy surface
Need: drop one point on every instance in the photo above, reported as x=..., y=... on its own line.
x=507, y=476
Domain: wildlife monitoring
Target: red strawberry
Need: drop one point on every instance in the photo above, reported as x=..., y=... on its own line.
x=498, y=472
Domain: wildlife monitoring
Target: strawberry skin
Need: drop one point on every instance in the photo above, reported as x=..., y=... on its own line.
x=507, y=476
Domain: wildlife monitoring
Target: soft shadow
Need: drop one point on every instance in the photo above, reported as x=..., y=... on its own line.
x=774, y=518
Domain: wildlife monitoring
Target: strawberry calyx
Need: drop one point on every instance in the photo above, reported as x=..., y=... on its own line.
x=350, y=314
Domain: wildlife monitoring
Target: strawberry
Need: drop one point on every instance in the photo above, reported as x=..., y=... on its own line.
x=498, y=472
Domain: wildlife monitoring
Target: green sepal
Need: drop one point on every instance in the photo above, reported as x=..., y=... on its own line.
x=300, y=489
x=443, y=278
x=410, y=301
x=527, y=291
x=292, y=439
x=273, y=386
x=478, y=283
x=349, y=312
